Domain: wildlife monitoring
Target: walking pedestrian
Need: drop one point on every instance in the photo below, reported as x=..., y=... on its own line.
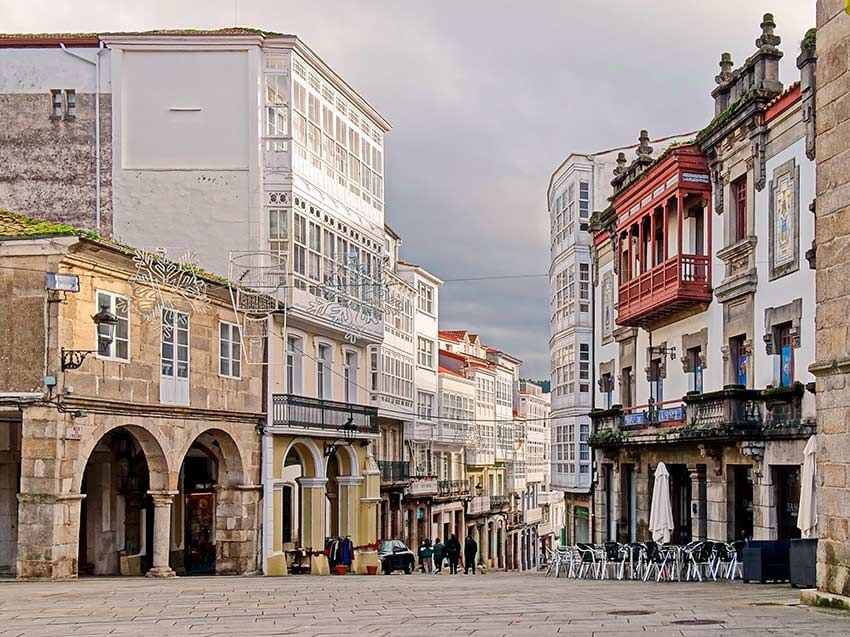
x=439, y=553
x=453, y=553
x=425, y=557
x=470, y=549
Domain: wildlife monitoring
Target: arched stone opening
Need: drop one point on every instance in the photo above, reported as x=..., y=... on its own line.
x=298, y=475
x=10, y=480
x=343, y=492
x=215, y=512
x=116, y=512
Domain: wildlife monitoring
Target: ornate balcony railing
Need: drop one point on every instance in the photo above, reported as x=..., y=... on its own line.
x=680, y=281
x=290, y=410
x=393, y=471
x=478, y=505
x=731, y=407
x=515, y=518
x=499, y=502
x=453, y=487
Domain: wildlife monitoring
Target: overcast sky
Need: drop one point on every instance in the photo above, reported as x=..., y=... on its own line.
x=486, y=98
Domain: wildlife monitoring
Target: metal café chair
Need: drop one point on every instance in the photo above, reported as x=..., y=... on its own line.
x=635, y=556
x=656, y=561
x=614, y=555
x=588, y=562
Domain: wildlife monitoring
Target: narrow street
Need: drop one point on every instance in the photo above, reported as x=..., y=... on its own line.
x=430, y=606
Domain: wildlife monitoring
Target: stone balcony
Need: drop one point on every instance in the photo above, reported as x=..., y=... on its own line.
x=733, y=413
x=423, y=486
x=478, y=505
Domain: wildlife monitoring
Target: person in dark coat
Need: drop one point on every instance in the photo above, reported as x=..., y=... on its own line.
x=470, y=549
x=439, y=553
x=453, y=553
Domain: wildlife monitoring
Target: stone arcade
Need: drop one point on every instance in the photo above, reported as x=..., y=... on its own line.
x=142, y=455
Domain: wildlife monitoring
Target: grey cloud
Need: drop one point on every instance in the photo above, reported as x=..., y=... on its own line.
x=486, y=98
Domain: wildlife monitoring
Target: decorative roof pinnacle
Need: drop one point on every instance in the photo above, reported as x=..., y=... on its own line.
x=644, y=150
x=726, y=66
x=768, y=38
x=621, y=164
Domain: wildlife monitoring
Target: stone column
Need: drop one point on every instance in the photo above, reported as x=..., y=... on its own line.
x=236, y=529
x=764, y=504
x=502, y=547
x=832, y=367
x=484, y=546
x=699, y=522
x=162, y=501
x=313, y=521
x=349, y=508
x=716, y=503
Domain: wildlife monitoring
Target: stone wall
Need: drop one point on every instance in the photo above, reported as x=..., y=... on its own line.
x=48, y=163
x=832, y=239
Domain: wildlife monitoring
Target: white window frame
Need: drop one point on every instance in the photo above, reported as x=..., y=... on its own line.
x=350, y=366
x=425, y=408
x=113, y=298
x=227, y=339
x=295, y=362
x=426, y=294
x=174, y=387
x=426, y=354
x=324, y=371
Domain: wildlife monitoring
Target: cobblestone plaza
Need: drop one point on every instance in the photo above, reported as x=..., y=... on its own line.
x=432, y=606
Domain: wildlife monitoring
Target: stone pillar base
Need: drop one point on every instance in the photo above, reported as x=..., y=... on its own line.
x=822, y=599
x=362, y=559
x=161, y=571
x=319, y=565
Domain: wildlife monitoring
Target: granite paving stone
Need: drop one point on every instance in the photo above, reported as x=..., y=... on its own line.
x=503, y=604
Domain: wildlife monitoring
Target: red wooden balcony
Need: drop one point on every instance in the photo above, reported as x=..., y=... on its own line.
x=666, y=289
x=664, y=240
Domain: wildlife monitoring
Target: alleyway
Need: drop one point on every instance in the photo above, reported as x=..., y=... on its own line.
x=496, y=604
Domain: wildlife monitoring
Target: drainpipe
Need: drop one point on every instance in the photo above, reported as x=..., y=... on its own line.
x=96, y=64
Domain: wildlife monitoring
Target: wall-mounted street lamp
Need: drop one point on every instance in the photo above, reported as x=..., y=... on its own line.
x=105, y=321
x=349, y=431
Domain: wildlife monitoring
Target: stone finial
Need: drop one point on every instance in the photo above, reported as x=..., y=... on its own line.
x=768, y=38
x=726, y=66
x=621, y=164
x=644, y=149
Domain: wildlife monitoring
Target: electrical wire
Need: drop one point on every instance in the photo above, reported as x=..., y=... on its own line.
x=412, y=413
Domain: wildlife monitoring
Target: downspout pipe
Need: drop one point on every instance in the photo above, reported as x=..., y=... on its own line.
x=96, y=64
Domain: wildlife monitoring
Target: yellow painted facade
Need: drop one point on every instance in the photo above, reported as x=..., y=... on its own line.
x=348, y=502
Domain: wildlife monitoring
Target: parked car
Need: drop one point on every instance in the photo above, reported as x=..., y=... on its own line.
x=395, y=556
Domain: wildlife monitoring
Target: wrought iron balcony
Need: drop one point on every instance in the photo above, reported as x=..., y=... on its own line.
x=453, y=487
x=290, y=410
x=499, y=502
x=393, y=471
x=515, y=518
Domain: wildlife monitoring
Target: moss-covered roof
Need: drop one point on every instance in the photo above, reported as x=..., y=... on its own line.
x=809, y=40
x=14, y=226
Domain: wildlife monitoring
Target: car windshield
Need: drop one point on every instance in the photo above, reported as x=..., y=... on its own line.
x=386, y=546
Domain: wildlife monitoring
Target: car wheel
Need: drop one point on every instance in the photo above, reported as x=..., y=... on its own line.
x=408, y=568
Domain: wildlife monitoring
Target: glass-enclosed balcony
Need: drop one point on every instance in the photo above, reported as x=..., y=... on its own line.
x=664, y=240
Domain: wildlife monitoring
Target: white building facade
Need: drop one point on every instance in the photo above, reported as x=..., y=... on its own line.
x=707, y=370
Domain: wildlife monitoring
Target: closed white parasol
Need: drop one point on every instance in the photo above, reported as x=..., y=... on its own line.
x=807, y=516
x=661, y=511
